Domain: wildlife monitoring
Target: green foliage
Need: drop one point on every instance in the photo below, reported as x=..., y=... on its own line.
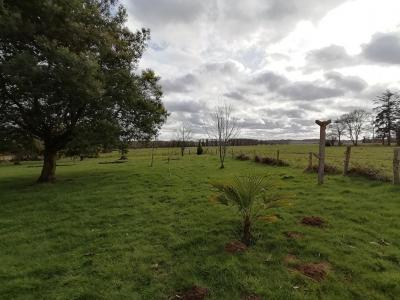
x=66, y=64
x=387, y=114
x=246, y=193
x=22, y=147
x=92, y=139
x=199, y=149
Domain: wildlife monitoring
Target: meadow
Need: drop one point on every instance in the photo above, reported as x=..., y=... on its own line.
x=109, y=230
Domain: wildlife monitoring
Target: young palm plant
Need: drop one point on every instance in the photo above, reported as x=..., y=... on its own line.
x=248, y=193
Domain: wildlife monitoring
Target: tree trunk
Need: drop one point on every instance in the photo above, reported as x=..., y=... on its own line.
x=398, y=136
x=221, y=157
x=49, y=167
x=246, y=239
x=182, y=151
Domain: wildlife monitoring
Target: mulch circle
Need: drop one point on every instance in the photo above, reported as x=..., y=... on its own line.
x=235, y=247
x=313, y=221
x=315, y=271
x=193, y=293
x=294, y=235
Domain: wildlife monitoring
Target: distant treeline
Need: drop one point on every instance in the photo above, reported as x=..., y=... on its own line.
x=211, y=143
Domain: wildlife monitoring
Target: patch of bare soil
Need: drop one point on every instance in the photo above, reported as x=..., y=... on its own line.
x=194, y=293
x=235, y=247
x=313, y=221
x=294, y=235
x=315, y=271
x=290, y=259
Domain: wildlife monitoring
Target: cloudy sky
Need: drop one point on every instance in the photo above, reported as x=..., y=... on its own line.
x=280, y=64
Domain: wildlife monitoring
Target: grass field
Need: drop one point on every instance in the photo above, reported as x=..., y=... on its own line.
x=130, y=231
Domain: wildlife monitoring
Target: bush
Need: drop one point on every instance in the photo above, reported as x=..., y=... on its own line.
x=199, y=149
x=248, y=194
x=270, y=161
x=329, y=169
x=242, y=157
x=369, y=173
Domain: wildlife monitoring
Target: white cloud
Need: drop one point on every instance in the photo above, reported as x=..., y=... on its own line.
x=277, y=62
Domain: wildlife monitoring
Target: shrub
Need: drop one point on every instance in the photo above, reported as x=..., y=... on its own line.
x=329, y=169
x=199, y=149
x=246, y=193
x=270, y=161
x=369, y=173
x=242, y=157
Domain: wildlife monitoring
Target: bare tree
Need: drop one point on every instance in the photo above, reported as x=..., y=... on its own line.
x=222, y=128
x=356, y=122
x=183, y=135
x=338, y=129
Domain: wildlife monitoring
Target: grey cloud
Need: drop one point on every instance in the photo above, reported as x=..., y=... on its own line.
x=309, y=91
x=232, y=20
x=383, y=48
x=255, y=124
x=277, y=17
x=330, y=57
x=352, y=83
x=271, y=80
x=234, y=95
x=181, y=84
x=220, y=67
x=296, y=90
x=283, y=112
x=161, y=12
x=183, y=106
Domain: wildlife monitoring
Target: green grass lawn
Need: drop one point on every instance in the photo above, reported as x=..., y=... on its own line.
x=130, y=231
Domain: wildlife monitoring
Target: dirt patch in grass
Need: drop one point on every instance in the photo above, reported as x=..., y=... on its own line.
x=290, y=259
x=235, y=247
x=193, y=293
x=295, y=235
x=313, y=221
x=315, y=271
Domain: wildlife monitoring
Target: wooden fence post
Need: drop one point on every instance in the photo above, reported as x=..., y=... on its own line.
x=322, y=140
x=277, y=155
x=396, y=163
x=347, y=160
x=310, y=166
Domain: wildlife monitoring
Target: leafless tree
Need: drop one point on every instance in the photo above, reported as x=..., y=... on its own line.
x=183, y=135
x=223, y=127
x=338, y=130
x=356, y=122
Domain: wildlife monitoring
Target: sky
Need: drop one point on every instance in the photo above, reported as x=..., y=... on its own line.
x=279, y=64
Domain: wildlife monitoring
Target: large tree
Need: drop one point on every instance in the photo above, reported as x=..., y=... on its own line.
x=355, y=122
x=67, y=64
x=387, y=114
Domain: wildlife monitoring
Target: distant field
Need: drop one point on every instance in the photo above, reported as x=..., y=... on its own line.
x=130, y=231
x=373, y=156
